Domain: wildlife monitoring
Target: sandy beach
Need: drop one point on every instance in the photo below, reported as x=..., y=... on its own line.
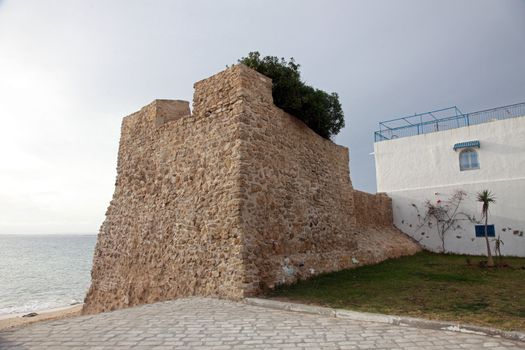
x=16, y=320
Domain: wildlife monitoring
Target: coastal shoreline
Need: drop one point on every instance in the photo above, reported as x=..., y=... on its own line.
x=16, y=320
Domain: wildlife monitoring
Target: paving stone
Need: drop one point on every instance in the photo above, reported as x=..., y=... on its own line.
x=204, y=323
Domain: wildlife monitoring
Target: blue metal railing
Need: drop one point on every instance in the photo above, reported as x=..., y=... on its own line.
x=443, y=119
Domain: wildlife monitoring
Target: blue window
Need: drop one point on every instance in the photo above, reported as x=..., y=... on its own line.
x=480, y=231
x=468, y=159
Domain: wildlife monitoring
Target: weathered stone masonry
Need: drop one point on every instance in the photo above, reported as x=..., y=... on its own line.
x=232, y=199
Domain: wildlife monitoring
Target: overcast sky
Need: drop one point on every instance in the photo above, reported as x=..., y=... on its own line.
x=70, y=70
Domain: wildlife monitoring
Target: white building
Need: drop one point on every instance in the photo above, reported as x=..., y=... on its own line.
x=430, y=156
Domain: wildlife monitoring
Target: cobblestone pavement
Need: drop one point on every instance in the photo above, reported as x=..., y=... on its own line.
x=200, y=323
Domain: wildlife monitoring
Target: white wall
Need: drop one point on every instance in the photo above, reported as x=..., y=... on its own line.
x=415, y=169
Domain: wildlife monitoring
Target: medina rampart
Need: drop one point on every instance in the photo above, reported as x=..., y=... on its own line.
x=232, y=199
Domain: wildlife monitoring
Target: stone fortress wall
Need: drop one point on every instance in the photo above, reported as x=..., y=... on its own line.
x=373, y=209
x=230, y=200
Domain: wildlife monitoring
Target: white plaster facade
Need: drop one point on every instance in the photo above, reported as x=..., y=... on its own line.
x=415, y=169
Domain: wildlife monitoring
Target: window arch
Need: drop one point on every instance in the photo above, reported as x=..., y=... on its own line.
x=468, y=159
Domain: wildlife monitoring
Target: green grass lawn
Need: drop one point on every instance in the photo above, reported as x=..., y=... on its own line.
x=427, y=285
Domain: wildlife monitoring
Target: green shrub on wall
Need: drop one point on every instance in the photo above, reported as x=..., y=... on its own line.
x=318, y=109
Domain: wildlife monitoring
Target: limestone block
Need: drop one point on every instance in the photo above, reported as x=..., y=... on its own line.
x=169, y=110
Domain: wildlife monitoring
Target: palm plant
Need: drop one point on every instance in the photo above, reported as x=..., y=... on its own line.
x=486, y=197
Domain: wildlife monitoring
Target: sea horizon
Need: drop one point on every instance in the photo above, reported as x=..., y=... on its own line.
x=44, y=271
x=48, y=234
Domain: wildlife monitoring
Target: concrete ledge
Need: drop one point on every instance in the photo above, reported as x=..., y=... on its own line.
x=365, y=316
x=401, y=321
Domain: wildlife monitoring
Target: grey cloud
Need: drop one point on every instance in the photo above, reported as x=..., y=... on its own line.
x=84, y=65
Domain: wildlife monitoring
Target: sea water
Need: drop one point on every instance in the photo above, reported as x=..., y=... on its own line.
x=39, y=272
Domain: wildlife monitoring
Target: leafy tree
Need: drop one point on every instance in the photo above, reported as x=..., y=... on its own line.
x=321, y=111
x=486, y=197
